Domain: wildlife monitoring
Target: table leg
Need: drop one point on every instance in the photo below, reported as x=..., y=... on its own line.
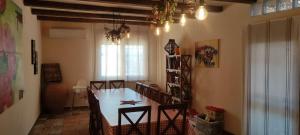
x=74, y=94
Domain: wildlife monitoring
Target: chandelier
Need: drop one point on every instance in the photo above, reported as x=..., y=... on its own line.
x=117, y=33
x=164, y=13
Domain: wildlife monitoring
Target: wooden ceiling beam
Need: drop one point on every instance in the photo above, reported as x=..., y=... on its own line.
x=70, y=14
x=211, y=8
x=86, y=20
x=46, y=12
x=147, y=3
x=239, y=1
x=150, y=3
x=84, y=7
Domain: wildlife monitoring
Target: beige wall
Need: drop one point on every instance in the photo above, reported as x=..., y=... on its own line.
x=76, y=55
x=20, y=117
x=223, y=86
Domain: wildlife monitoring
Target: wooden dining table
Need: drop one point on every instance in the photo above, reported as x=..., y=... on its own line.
x=110, y=102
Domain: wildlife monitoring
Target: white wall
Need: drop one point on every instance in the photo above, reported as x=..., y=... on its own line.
x=223, y=86
x=20, y=117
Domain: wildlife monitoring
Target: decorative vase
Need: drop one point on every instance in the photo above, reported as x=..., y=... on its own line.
x=171, y=46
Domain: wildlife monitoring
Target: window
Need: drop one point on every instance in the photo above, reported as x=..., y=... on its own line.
x=271, y=6
x=127, y=62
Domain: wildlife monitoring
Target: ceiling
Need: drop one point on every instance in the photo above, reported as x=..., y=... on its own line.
x=135, y=12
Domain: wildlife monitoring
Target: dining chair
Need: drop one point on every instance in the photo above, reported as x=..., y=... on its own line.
x=155, y=94
x=115, y=84
x=138, y=86
x=141, y=89
x=165, y=98
x=98, y=85
x=181, y=109
x=134, y=126
x=95, y=122
x=147, y=92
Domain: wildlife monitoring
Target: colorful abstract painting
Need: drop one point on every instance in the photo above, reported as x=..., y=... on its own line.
x=207, y=53
x=11, y=73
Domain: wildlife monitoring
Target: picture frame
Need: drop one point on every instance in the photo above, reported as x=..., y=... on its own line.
x=36, y=63
x=33, y=52
x=207, y=53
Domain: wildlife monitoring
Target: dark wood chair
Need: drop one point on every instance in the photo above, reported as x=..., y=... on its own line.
x=134, y=125
x=98, y=85
x=115, y=84
x=95, y=122
x=141, y=89
x=155, y=94
x=181, y=109
x=147, y=92
x=138, y=87
x=165, y=98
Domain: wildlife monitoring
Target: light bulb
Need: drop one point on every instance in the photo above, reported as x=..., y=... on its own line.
x=167, y=26
x=182, y=20
x=201, y=13
x=157, y=31
x=119, y=41
x=128, y=35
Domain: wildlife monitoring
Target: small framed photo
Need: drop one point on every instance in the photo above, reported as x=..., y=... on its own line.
x=36, y=64
x=32, y=51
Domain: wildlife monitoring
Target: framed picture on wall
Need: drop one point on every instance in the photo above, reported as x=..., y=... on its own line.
x=207, y=53
x=32, y=51
x=36, y=64
x=11, y=54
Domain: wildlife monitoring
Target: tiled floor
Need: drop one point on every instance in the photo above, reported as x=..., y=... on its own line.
x=68, y=123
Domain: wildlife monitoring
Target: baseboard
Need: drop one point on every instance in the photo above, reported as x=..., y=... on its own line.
x=67, y=108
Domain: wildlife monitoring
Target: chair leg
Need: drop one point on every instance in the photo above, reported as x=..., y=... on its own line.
x=73, y=100
x=101, y=126
x=91, y=125
x=94, y=126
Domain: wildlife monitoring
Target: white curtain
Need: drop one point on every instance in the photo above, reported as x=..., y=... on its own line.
x=127, y=60
x=273, y=90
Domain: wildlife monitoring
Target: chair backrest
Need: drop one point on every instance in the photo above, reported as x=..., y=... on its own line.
x=138, y=87
x=115, y=84
x=155, y=94
x=181, y=109
x=165, y=98
x=98, y=85
x=134, y=125
x=93, y=102
x=147, y=92
x=95, y=113
x=141, y=89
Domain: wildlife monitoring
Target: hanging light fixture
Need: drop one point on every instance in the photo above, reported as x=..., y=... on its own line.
x=117, y=33
x=163, y=14
x=157, y=31
x=182, y=19
x=201, y=12
x=128, y=35
x=167, y=26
